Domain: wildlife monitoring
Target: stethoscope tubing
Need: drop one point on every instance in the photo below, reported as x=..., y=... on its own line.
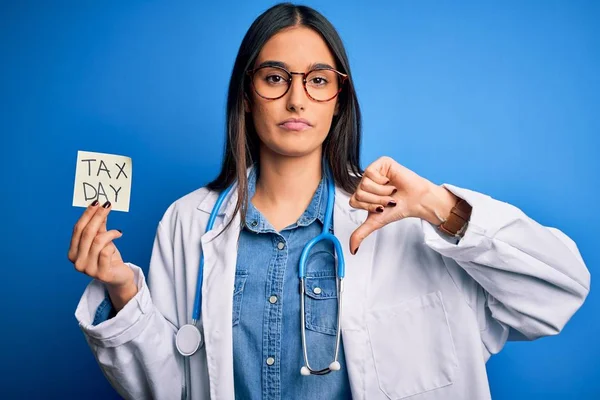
x=340, y=272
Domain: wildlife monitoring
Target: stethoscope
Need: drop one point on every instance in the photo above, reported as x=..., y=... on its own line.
x=189, y=337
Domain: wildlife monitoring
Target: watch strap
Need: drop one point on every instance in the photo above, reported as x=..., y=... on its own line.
x=456, y=223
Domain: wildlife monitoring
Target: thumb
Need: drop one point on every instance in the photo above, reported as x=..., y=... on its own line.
x=364, y=230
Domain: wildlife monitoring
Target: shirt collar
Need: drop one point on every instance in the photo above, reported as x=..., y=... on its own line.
x=207, y=198
x=315, y=210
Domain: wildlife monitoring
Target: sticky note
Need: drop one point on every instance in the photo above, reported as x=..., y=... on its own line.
x=106, y=177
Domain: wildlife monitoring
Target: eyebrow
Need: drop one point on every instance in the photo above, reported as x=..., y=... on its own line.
x=281, y=64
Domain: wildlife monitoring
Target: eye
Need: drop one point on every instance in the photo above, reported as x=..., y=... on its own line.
x=275, y=79
x=318, y=80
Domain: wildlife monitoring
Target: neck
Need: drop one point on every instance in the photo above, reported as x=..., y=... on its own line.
x=286, y=185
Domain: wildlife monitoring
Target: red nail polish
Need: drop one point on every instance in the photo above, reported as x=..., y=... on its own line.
x=394, y=191
x=106, y=205
x=379, y=209
x=95, y=203
x=355, y=251
x=392, y=203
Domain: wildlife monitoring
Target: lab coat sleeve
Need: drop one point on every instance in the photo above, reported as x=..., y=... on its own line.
x=136, y=348
x=527, y=279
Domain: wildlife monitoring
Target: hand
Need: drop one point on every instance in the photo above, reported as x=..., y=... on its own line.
x=93, y=253
x=391, y=192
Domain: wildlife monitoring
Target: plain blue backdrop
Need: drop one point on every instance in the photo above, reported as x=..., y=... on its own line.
x=499, y=97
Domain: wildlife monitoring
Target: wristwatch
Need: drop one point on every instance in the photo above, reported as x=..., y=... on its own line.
x=456, y=223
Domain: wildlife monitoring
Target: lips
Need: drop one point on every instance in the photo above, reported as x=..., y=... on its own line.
x=295, y=124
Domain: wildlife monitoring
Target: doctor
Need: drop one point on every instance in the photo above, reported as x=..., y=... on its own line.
x=438, y=277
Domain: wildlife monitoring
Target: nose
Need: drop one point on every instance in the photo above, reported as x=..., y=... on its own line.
x=296, y=98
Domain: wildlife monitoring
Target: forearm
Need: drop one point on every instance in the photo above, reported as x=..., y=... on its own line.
x=121, y=295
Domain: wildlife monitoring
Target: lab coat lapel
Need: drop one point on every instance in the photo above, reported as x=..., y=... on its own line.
x=356, y=286
x=220, y=257
x=358, y=267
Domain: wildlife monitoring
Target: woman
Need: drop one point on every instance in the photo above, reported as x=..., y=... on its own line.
x=438, y=278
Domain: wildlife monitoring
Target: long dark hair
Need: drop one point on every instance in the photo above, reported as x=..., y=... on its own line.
x=342, y=145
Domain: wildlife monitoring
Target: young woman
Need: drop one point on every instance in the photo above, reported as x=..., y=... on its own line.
x=437, y=277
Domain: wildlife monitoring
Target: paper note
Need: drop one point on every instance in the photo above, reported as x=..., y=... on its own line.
x=106, y=177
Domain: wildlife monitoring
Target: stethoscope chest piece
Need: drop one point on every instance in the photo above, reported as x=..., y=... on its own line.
x=188, y=339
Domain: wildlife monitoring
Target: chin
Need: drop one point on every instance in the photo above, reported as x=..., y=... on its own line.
x=294, y=149
x=294, y=152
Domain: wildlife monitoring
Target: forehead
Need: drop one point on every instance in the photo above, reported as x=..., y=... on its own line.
x=298, y=47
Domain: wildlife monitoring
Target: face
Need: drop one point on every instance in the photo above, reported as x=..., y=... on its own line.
x=298, y=49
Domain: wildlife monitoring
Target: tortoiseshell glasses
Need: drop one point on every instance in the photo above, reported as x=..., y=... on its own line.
x=320, y=84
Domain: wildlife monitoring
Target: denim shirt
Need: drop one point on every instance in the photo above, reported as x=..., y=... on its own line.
x=267, y=346
x=105, y=310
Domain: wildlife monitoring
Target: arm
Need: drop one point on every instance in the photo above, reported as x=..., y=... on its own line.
x=532, y=278
x=136, y=348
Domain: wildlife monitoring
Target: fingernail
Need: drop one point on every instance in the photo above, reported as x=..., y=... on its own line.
x=394, y=191
x=392, y=203
x=355, y=251
x=106, y=205
x=95, y=203
x=379, y=209
x=388, y=181
x=120, y=231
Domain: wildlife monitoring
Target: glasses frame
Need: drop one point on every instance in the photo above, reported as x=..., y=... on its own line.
x=343, y=78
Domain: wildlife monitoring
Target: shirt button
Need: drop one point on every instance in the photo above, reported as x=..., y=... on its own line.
x=317, y=290
x=280, y=245
x=254, y=223
x=270, y=361
x=273, y=299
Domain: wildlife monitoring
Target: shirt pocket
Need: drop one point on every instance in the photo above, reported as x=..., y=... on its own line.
x=412, y=346
x=320, y=302
x=238, y=292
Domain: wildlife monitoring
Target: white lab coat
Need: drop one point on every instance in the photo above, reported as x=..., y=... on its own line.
x=421, y=316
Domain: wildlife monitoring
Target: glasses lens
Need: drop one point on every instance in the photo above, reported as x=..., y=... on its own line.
x=322, y=84
x=271, y=82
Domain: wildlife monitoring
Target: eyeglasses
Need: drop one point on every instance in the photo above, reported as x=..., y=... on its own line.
x=320, y=84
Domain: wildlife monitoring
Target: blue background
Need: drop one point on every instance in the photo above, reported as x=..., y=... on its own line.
x=502, y=98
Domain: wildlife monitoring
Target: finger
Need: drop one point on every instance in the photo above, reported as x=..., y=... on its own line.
x=101, y=247
x=360, y=234
x=368, y=185
x=373, y=172
x=91, y=230
x=370, y=207
x=102, y=228
x=365, y=197
x=78, y=229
